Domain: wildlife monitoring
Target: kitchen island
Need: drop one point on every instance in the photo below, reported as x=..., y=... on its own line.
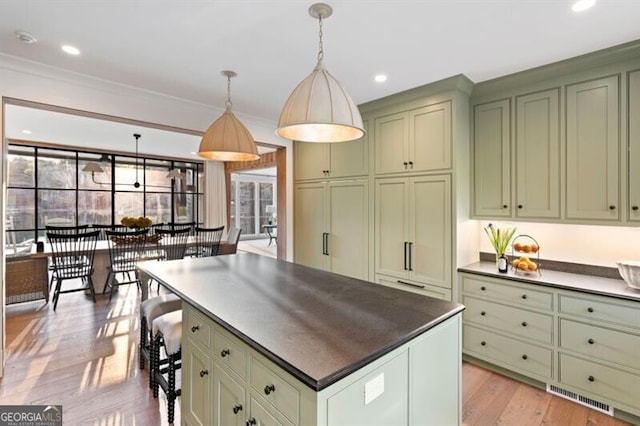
x=271, y=342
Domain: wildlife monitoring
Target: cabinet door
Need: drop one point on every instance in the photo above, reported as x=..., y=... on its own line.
x=537, y=172
x=391, y=227
x=196, y=385
x=430, y=137
x=634, y=146
x=491, y=150
x=262, y=414
x=348, y=240
x=309, y=224
x=349, y=158
x=229, y=399
x=430, y=230
x=592, y=150
x=391, y=140
x=310, y=160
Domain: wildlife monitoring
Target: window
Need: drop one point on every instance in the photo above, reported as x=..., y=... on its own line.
x=46, y=186
x=250, y=196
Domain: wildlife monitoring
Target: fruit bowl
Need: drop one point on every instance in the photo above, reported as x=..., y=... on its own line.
x=630, y=272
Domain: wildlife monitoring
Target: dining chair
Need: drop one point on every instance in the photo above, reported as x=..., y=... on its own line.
x=207, y=241
x=124, y=253
x=104, y=228
x=72, y=257
x=61, y=229
x=173, y=243
x=233, y=236
x=182, y=225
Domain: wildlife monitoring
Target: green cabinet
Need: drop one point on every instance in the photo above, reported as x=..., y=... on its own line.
x=196, y=389
x=413, y=229
x=417, y=140
x=492, y=159
x=593, y=165
x=633, y=163
x=331, y=226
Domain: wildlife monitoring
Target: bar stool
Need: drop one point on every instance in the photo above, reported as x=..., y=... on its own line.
x=167, y=332
x=151, y=309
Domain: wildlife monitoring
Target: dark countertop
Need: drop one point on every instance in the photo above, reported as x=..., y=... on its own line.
x=577, y=282
x=316, y=325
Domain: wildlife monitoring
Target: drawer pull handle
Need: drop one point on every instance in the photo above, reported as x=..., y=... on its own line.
x=483, y=313
x=195, y=328
x=634, y=208
x=519, y=206
x=591, y=341
x=225, y=352
x=504, y=206
x=524, y=323
x=483, y=288
x=269, y=388
x=204, y=373
x=524, y=356
x=612, y=207
x=524, y=296
x=592, y=379
x=237, y=409
x=483, y=343
x=590, y=309
x=251, y=422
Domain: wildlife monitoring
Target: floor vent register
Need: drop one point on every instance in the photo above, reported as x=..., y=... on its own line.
x=580, y=399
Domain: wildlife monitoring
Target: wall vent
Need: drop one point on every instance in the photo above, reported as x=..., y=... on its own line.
x=580, y=399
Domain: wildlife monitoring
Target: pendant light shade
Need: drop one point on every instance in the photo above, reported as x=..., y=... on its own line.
x=227, y=139
x=319, y=109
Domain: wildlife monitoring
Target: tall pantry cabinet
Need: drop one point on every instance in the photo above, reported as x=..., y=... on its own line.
x=395, y=223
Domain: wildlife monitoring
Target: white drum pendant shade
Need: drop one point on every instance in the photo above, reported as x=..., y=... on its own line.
x=320, y=110
x=227, y=139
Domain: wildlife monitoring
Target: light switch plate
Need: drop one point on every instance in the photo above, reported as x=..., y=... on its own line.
x=374, y=388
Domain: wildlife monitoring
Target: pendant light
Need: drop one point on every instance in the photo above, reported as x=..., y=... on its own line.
x=319, y=109
x=227, y=139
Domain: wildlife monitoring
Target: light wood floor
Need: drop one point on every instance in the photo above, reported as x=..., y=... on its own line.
x=84, y=356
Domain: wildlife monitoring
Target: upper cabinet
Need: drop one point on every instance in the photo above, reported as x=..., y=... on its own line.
x=417, y=140
x=331, y=160
x=492, y=159
x=593, y=168
x=633, y=162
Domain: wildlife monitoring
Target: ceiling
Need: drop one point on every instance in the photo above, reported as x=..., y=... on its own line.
x=178, y=48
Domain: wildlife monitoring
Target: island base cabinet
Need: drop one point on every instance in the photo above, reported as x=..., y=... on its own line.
x=196, y=386
x=229, y=399
x=372, y=400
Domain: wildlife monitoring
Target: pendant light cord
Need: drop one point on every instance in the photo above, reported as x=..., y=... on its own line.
x=320, y=46
x=228, y=103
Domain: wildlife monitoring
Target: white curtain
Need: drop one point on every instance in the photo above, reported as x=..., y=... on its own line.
x=215, y=195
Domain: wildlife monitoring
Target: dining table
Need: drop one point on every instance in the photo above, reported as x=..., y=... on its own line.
x=101, y=261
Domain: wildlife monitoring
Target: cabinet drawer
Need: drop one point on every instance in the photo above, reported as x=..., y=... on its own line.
x=423, y=289
x=616, y=313
x=526, y=324
x=263, y=415
x=275, y=389
x=198, y=327
x=230, y=352
x=601, y=343
x=609, y=383
x=509, y=353
x=523, y=297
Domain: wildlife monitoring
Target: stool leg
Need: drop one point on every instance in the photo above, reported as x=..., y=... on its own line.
x=143, y=343
x=171, y=392
x=155, y=359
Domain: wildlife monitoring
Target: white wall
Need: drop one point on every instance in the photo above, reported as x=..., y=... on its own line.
x=34, y=82
x=586, y=244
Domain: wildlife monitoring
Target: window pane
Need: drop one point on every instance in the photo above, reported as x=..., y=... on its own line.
x=94, y=207
x=99, y=180
x=56, y=207
x=129, y=204
x=127, y=173
x=158, y=207
x=200, y=210
x=233, y=205
x=21, y=164
x=21, y=207
x=56, y=169
x=156, y=176
x=185, y=207
x=247, y=207
x=266, y=199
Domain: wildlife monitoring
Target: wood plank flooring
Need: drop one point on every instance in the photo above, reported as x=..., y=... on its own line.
x=84, y=356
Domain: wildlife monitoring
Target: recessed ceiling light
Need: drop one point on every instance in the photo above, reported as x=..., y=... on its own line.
x=71, y=50
x=380, y=78
x=25, y=37
x=27, y=132
x=581, y=5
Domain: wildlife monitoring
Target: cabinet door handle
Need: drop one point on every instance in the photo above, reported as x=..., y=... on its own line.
x=269, y=388
x=591, y=341
x=635, y=208
x=204, y=373
x=590, y=309
x=612, y=207
x=524, y=323
x=504, y=206
x=411, y=164
x=483, y=343
x=410, y=284
x=405, y=164
x=251, y=422
x=483, y=313
x=405, y=256
x=519, y=206
x=326, y=243
x=411, y=256
x=483, y=288
x=237, y=409
x=225, y=352
x=524, y=296
x=525, y=357
x=592, y=379
x=195, y=328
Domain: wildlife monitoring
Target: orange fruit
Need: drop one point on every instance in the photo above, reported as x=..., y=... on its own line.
x=534, y=248
x=526, y=248
x=517, y=246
